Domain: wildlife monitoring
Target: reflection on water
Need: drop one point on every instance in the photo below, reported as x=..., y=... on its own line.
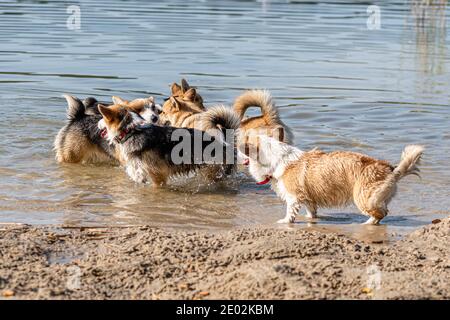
x=338, y=85
x=429, y=18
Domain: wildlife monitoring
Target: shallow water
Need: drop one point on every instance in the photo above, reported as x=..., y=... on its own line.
x=338, y=84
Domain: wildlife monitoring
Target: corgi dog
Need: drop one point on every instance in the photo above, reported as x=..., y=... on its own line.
x=184, y=93
x=145, y=107
x=82, y=139
x=317, y=179
x=185, y=109
x=151, y=153
x=268, y=123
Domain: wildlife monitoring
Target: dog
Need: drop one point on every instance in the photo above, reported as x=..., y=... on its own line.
x=185, y=93
x=184, y=109
x=317, y=179
x=181, y=114
x=149, y=151
x=145, y=107
x=268, y=123
x=82, y=139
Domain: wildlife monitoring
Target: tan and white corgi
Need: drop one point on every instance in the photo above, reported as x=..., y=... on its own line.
x=317, y=179
x=185, y=109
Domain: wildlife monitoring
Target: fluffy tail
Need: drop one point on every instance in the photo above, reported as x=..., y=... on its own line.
x=257, y=98
x=217, y=119
x=409, y=161
x=220, y=118
x=75, y=108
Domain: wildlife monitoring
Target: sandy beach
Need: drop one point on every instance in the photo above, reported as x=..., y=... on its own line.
x=257, y=263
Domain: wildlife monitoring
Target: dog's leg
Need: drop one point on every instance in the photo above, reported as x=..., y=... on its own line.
x=159, y=180
x=293, y=207
x=375, y=215
x=311, y=212
x=372, y=198
x=135, y=172
x=213, y=173
x=372, y=221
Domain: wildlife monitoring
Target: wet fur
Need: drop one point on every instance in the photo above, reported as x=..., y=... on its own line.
x=147, y=152
x=148, y=156
x=317, y=179
x=79, y=141
x=184, y=109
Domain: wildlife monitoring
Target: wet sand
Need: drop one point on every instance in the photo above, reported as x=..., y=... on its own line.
x=263, y=263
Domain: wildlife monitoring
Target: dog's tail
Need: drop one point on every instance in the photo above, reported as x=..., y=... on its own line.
x=220, y=118
x=75, y=108
x=257, y=98
x=408, y=164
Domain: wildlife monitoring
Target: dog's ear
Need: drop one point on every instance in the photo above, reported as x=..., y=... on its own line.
x=190, y=94
x=175, y=104
x=75, y=108
x=119, y=100
x=184, y=85
x=90, y=102
x=106, y=112
x=176, y=89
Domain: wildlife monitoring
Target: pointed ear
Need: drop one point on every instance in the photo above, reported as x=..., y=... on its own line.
x=175, y=103
x=190, y=94
x=184, y=85
x=106, y=112
x=150, y=100
x=75, y=108
x=89, y=102
x=118, y=100
x=176, y=89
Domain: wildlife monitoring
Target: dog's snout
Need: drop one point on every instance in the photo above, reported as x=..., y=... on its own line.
x=154, y=118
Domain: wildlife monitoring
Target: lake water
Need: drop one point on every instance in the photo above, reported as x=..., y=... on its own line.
x=339, y=82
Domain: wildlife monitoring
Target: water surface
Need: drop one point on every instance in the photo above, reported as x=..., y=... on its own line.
x=338, y=84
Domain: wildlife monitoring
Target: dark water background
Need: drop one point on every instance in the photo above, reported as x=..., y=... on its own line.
x=338, y=84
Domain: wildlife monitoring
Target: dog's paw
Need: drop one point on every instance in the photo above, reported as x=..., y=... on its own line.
x=285, y=220
x=372, y=222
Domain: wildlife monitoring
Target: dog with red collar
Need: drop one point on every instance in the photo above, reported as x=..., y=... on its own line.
x=316, y=179
x=83, y=139
x=80, y=140
x=153, y=153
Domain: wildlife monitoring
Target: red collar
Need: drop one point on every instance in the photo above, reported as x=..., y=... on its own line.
x=265, y=181
x=246, y=162
x=104, y=133
x=124, y=135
